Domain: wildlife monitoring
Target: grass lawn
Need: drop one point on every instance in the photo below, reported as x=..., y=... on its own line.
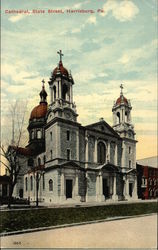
x=33, y=218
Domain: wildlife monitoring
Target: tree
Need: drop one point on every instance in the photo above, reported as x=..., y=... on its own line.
x=10, y=154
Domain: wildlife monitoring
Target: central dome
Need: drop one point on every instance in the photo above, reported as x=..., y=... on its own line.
x=39, y=111
x=60, y=69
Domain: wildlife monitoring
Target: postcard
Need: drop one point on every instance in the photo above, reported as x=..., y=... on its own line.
x=79, y=124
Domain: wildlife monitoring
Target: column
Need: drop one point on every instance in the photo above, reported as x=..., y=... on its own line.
x=134, y=193
x=97, y=188
x=114, y=117
x=129, y=117
x=62, y=195
x=115, y=161
x=86, y=139
x=95, y=149
x=59, y=90
x=108, y=152
x=114, y=196
x=127, y=189
x=77, y=145
x=86, y=187
x=71, y=97
x=101, y=196
x=34, y=191
x=123, y=155
x=122, y=115
x=101, y=184
x=76, y=188
x=51, y=96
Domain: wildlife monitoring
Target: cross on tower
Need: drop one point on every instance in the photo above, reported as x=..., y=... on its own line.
x=121, y=87
x=43, y=81
x=60, y=54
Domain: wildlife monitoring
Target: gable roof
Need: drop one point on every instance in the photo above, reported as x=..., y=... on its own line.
x=150, y=161
x=103, y=127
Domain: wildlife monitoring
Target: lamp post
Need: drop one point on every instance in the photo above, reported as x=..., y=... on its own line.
x=37, y=177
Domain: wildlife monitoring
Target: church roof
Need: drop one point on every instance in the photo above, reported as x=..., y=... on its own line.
x=22, y=151
x=122, y=100
x=60, y=70
x=107, y=129
x=39, y=111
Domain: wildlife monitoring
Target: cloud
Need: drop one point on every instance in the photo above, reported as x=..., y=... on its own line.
x=92, y=20
x=121, y=10
x=18, y=17
x=131, y=56
x=84, y=76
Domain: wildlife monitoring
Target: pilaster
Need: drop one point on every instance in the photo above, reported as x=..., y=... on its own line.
x=114, y=196
x=95, y=150
x=86, y=160
x=115, y=154
x=108, y=151
x=127, y=189
x=62, y=194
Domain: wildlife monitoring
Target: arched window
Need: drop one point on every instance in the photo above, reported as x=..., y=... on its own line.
x=64, y=91
x=126, y=117
x=39, y=134
x=129, y=164
x=101, y=152
x=54, y=92
x=31, y=183
x=32, y=134
x=118, y=117
x=26, y=184
x=50, y=185
x=39, y=161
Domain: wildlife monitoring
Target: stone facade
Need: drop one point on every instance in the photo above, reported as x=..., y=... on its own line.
x=78, y=163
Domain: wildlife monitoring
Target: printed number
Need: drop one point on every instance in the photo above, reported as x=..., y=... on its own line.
x=17, y=242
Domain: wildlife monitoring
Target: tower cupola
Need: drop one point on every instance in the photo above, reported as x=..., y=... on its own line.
x=122, y=122
x=43, y=94
x=61, y=92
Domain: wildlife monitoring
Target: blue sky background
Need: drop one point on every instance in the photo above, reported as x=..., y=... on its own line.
x=102, y=50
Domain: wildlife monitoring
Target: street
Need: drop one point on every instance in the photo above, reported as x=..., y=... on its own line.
x=140, y=232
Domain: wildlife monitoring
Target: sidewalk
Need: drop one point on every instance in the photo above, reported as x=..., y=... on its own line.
x=133, y=233
x=31, y=230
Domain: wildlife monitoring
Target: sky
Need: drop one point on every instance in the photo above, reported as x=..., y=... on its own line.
x=114, y=43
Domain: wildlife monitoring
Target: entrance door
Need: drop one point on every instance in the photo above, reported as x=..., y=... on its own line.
x=105, y=188
x=68, y=189
x=21, y=193
x=130, y=189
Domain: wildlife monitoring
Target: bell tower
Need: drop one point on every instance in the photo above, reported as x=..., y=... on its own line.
x=122, y=124
x=61, y=92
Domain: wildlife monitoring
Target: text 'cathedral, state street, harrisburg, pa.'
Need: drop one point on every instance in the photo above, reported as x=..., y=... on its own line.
x=76, y=163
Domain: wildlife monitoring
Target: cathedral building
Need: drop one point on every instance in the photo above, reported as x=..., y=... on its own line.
x=68, y=162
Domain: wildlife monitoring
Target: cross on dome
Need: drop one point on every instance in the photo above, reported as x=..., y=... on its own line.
x=43, y=81
x=60, y=54
x=121, y=87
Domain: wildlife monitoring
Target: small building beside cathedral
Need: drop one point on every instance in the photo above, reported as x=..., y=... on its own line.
x=68, y=162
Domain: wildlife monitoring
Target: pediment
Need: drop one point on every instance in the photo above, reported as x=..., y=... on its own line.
x=103, y=127
x=71, y=164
